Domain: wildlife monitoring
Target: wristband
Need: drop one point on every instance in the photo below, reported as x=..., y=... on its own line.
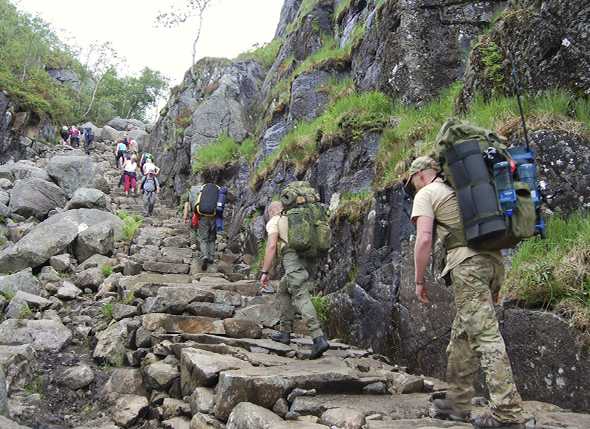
x=264, y=273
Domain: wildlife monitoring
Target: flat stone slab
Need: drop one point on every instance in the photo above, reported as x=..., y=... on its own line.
x=133, y=283
x=166, y=267
x=44, y=335
x=182, y=324
x=243, y=287
x=426, y=423
x=244, y=343
x=396, y=406
x=265, y=385
x=267, y=315
x=200, y=368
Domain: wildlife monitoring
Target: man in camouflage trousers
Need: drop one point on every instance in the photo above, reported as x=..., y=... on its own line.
x=476, y=277
x=294, y=288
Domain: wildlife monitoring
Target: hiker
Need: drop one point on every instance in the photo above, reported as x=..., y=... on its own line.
x=144, y=158
x=476, y=277
x=150, y=187
x=65, y=135
x=120, y=151
x=130, y=174
x=148, y=166
x=88, y=139
x=132, y=146
x=189, y=206
x=207, y=202
x=294, y=288
x=74, y=134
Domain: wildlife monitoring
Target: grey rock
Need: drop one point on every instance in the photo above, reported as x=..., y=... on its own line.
x=16, y=231
x=95, y=261
x=88, y=198
x=166, y=267
x=25, y=302
x=242, y=328
x=6, y=423
x=26, y=170
x=124, y=381
x=182, y=324
x=175, y=408
x=65, y=76
x=176, y=423
x=160, y=375
x=307, y=101
x=73, y=172
x=267, y=315
x=36, y=197
x=251, y=416
x=209, y=309
x=203, y=421
x=52, y=237
x=49, y=275
x=110, y=347
x=62, y=263
x=343, y=417
x=77, y=377
x=110, y=134
x=5, y=200
x=22, y=281
x=141, y=137
x=19, y=365
x=68, y=291
x=143, y=338
x=90, y=278
x=96, y=239
x=202, y=400
x=5, y=183
x=3, y=394
x=281, y=407
x=200, y=368
x=43, y=335
x=123, y=311
x=129, y=409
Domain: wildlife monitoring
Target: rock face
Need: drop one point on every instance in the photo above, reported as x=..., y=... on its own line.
x=52, y=237
x=36, y=197
x=97, y=239
x=73, y=172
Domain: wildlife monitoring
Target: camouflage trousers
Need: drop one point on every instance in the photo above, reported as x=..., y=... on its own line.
x=476, y=339
x=293, y=295
x=207, y=233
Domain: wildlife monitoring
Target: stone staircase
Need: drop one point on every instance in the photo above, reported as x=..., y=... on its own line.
x=191, y=350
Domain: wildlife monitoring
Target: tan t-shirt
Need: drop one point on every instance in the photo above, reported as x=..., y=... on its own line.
x=439, y=201
x=279, y=225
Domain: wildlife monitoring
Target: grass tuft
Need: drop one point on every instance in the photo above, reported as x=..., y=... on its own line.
x=264, y=55
x=222, y=152
x=107, y=310
x=353, y=206
x=106, y=270
x=322, y=307
x=131, y=224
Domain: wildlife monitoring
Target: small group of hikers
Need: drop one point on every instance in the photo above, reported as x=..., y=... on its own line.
x=126, y=159
x=299, y=234
x=71, y=136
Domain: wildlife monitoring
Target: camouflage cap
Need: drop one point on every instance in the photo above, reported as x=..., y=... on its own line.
x=420, y=164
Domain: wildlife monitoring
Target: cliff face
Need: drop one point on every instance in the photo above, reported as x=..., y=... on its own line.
x=411, y=51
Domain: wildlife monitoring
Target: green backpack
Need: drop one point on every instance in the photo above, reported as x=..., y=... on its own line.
x=466, y=154
x=309, y=228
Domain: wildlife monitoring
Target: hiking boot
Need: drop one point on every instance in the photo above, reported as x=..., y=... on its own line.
x=488, y=420
x=204, y=265
x=445, y=409
x=320, y=345
x=267, y=290
x=281, y=337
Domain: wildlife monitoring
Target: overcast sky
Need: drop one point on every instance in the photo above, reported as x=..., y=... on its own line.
x=231, y=27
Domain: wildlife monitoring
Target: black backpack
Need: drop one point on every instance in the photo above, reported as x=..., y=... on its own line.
x=206, y=204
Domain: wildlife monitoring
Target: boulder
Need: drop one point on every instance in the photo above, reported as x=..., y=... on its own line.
x=52, y=237
x=200, y=368
x=182, y=324
x=267, y=315
x=124, y=381
x=97, y=239
x=77, y=377
x=160, y=375
x=25, y=302
x=68, y=291
x=62, y=263
x=75, y=171
x=6, y=172
x=123, y=311
x=3, y=394
x=6, y=423
x=204, y=421
x=202, y=400
x=175, y=407
x=36, y=197
x=22, y=281
x=18, y=364
x=141, y=137
x=109, y=134
x=111, y=344
x=5, y=198
x=175, y=299
x=250, y=416
x=88, y=198
x=343, y=418
x=241, y=328
x=176, y=423
x=118, y=124
x=49, y=275
x=90, y=278
x=16, y=231
x=26, y=170
x=130, y=408
x=43, y=335
x=5, y=184
x=210, y=309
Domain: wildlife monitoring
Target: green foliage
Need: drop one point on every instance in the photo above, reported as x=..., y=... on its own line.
x=131, y=224
x=582, y=110
x=555, y=273
x=305, y=9
x=129, y=298
x=107, y=310
x=28, y=47
x=248, y=149
x=341, y=9
x=322, y=307
x=8, y=294
x=492, y=59
x=345, y=120
x=223, y=151
x=353, y=206
x=264, y=55
x=25, y=312
x=257, y=264
x=36, y=386
x=106, y=270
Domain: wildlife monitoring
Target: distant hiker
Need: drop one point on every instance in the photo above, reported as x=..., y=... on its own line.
x=130, y=175
x=65, y=135
x=207, y=203
x=148, y=166
x=132, y=146
x=88, y=139
x=294, y=236
x=74, y=134
x=120, y=151
x=190, y=216
x=144, y=158
x=476, y=277
x=150, y=187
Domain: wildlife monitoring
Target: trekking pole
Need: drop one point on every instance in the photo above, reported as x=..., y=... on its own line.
x=518, y=92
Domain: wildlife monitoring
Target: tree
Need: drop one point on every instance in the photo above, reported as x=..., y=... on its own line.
x=101, y=59
x=192, y=8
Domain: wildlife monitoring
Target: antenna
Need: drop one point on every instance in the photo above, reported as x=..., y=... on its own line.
x=518, y=92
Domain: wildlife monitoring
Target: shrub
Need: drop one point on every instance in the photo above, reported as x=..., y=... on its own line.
x=131, y=224
x=322, y=307
x=106, y=270
x=107, y=310
x=247, y=149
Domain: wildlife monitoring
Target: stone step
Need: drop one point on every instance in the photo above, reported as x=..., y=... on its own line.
x=166, y=267
x=182, y=324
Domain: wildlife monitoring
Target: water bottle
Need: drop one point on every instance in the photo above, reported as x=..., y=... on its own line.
x=527, y=173
x=505, y=187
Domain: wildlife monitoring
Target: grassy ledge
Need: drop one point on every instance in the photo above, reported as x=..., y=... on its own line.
x=353, y=206
x=264, y=55
x=221, y=153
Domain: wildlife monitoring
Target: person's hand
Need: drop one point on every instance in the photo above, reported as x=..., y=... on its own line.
x=264, y=280
x=186, y=220
x=421, y=293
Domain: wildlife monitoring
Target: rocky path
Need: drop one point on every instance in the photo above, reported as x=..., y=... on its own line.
x=143, y=339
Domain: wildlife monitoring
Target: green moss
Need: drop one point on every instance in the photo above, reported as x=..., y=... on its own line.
x=247, y=149
x=492, y=60
x=554, y=273
x=222, y=152
x=341, y=10
x=257, y=264
x=305, y=9
x=353, y=207
x=265, y=55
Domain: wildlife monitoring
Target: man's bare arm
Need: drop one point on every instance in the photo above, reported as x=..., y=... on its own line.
x=422, y=250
